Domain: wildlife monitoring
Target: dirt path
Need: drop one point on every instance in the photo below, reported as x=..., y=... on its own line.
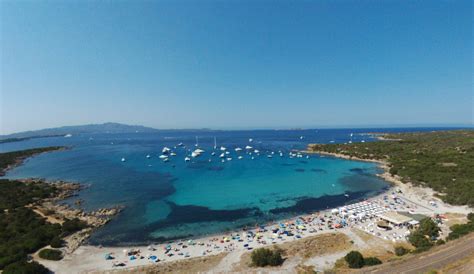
x=431, y=260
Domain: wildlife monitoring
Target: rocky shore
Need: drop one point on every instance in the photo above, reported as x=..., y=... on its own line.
x=57, y=213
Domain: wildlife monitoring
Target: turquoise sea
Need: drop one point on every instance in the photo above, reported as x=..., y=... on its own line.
x=208, y=194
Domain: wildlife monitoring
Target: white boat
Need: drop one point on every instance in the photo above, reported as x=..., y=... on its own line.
x=238, y=149
x=180, y=144
x=197, y=152
x=269, y=156
x=363, y=141
x=222, y=155
x=123, y=159
x=256, y=151
x=250, y=140
x=253, y=157
x=163, y=157
x=166, y=160
x=240, y=157
x=213, y=153
x=301, y=137
x=215, y=143
x=173, y=154
x=227, y=153
x=197, y=142
x=187, y=159
x=148, y=156
x=307, y=156
x=281, y=154
x=165, y=150
x=248, y=147
x=68, y=135
x=229, y=159
x=331, y=141
x=223, y=148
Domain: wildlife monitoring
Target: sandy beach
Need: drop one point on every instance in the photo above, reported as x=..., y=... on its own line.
x=400, y=197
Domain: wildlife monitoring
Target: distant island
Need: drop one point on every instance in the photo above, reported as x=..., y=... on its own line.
x=68, y=131
x=81, y=129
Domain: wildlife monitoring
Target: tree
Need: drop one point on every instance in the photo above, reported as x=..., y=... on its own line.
x=51, y=254
x=429, y=228
x=372, y=261
x=420, y=241
x=354, y=259
x=57, y=242
x=23, y=267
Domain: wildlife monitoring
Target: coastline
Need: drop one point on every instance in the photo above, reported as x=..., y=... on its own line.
x=92, y=257
x=85, y=258
x=54, y=212
x=21, y=159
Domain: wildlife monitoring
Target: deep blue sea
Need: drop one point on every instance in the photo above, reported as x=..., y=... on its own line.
x=174, y=199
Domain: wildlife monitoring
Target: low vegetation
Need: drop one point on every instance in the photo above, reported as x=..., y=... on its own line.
x=23, y=267
x=22, y=231
x=262, y=257
x=441, y=160
x=459, y=230
x=354, y=259
x=400, y=251
x=424, y=237
x=51, y=254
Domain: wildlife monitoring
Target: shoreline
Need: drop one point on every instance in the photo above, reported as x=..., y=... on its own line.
x=21, y=159
x=91, y=258
x=84, y=258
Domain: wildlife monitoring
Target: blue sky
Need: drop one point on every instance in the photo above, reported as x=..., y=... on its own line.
x=235, y=64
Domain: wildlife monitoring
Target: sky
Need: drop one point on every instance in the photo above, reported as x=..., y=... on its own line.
x=236, y=64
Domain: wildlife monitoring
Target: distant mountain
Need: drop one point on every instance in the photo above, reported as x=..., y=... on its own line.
x=93, y=128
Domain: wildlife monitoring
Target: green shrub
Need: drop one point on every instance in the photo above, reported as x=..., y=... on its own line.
x=440, y=242
x=429, y=227
x=372, y=261
x=354, y=259
x=459, y=230
x=400, y=251
x=263, y=256
x=51, y=254
x=71, y=226
x=23, y=267
x=57, y=242
x=420, y=241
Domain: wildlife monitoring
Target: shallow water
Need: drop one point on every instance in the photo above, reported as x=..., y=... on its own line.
x=178, y=199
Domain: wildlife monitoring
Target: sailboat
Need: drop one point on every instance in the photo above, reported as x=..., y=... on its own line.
x=197, y=142
x=215, y=143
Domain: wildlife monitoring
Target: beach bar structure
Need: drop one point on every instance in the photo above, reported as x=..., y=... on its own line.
x=395, y=218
